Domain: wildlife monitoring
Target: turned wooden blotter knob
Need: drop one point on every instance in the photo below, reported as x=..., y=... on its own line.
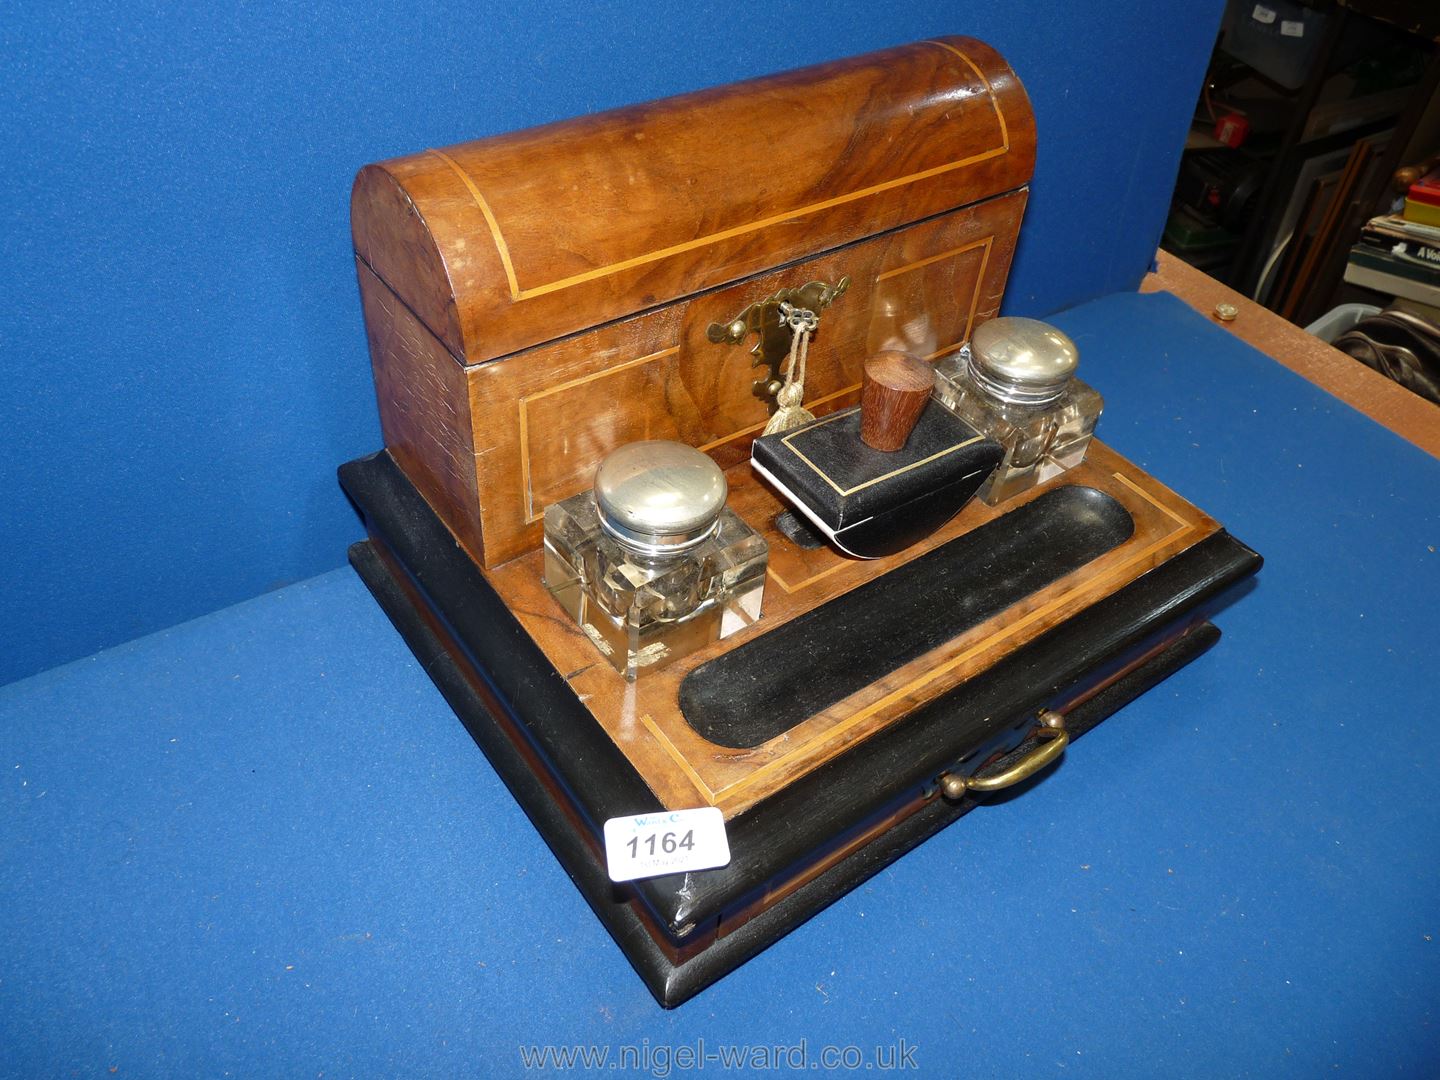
x=893, y=395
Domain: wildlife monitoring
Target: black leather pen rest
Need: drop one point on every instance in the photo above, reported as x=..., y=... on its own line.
x=873, y=503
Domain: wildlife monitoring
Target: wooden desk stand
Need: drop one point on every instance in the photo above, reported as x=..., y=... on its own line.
x=535, y=300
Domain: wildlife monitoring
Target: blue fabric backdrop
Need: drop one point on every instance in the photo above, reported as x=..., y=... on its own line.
x=184, y=360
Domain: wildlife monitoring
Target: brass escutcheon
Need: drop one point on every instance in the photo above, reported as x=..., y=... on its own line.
x=774, y=331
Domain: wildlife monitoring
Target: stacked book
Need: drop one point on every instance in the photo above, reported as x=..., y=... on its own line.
x=1398, y=256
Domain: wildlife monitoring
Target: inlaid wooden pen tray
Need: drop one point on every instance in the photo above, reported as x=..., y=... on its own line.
x=789, y=703
x=535, y=300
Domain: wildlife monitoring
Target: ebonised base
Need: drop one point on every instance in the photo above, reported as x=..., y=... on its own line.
x=804, y=847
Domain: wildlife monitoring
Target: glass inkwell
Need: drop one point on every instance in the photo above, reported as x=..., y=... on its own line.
x=1015, y=382
x=651, y=563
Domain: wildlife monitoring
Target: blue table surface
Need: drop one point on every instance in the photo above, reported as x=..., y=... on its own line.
x=260, y=844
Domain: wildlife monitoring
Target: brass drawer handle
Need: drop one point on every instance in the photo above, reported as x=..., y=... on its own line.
x=1052, y=731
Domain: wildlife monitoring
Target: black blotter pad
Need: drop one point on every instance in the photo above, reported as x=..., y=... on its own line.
x=869, y=502
x=767, y=686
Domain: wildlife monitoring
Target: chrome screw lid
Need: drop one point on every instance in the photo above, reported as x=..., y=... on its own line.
x=1022, y=361
x=659, y=497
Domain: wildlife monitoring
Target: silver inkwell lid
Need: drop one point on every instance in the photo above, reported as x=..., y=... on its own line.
x=659, y=497
x=1022, y=361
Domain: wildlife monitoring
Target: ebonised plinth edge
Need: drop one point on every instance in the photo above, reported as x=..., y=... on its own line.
x=568, y=776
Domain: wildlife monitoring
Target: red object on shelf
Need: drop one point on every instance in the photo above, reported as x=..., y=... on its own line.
x=1232, y=129
x=1427, y=188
